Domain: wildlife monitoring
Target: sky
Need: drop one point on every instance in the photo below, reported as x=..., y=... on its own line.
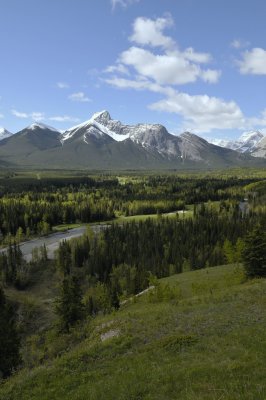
x=187, y=64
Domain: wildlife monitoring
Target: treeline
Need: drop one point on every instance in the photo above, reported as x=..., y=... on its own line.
x=36, y=213
x=135, y=250
x=32, y=207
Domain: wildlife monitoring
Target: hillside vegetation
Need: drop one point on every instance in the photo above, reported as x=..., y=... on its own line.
x=196, y=335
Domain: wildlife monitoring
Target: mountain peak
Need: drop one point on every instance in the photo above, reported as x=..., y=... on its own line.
x=246, y=136
x=4, y=133
x=38, y=125
x=192, y=136
x=101, y=116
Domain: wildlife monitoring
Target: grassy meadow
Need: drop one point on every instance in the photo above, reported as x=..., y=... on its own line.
x=196, y=335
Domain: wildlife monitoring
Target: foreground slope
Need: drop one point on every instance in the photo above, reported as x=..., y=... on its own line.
x=199, y=335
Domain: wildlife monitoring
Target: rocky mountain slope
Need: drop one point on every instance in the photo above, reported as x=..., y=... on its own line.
x=4, y=133
x=104, y=143
x=248, y=142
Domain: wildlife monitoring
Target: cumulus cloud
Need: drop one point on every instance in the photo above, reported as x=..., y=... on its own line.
x=62, y=85
x=155, y=63
x=150, y=32
x=253, y=62
x=117, y=68
x=122, y=3
x=203, y=113
x=79, y=97
x=162, y=61
x=169, y=68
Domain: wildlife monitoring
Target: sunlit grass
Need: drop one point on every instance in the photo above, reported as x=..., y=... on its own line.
x=201, y=335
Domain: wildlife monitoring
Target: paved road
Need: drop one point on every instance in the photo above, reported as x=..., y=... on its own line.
x=52, y=241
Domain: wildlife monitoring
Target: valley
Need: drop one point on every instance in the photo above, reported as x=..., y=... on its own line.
x=181, y=240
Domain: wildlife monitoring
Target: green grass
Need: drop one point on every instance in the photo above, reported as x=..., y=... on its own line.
x=199, y=335
x=143, y=217
x=65, y=227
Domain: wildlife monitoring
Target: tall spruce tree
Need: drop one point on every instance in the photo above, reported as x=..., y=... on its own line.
x=9, y=339
x=68, y=305
x=254, y=252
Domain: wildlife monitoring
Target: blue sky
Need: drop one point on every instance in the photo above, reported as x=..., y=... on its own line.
x=190, y=65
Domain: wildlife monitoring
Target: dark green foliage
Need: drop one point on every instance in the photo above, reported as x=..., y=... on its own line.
x=114, y=299
x=9, y=340
x=64, y=257
x=33, y=206
x=254, y=252
x=68, y=305
x=13, y=268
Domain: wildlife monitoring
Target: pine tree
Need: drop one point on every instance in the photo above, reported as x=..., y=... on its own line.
x=9, y=340
x=254, y=252
x=68, y=305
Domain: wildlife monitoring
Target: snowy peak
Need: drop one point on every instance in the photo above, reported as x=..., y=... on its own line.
x=102, y=117
x=38, y=125
x=249, y=140
x=250, y=135
x=4, y=133
x=260, y=149
x=246, y=143
x=151, y=137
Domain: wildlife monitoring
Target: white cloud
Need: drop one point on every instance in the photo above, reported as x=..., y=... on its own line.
x=19, y=114
x=211, y=75
x=122, y=3
x=253, y=62
x=239, y=44
x=36, y=116
x=117, y=68
x=1, y=115
x=150, y=32
x=79, y=96
x=161, y=72
x=172, y=67
x=64, y=118
x=62, y=85
x=203, y=113
x=191, y=55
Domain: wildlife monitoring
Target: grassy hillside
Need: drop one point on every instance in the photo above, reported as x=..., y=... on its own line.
x=198, y=335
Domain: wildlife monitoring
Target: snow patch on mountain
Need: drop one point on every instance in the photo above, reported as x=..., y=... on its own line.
x=98, y=121
x=38, y=125
x=4, y=133
x=246, y=143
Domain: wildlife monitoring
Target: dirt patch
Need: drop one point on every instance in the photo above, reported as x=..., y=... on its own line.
x=110, y=334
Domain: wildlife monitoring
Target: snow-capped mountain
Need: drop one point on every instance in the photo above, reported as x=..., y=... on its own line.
x=4, y=133
x=153, y=137
x=104, y=143
x=260, y=149
x=246, y=143
x=37, y=125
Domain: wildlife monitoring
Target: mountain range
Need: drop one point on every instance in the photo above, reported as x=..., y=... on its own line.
x=104, y=143
x=252, y=142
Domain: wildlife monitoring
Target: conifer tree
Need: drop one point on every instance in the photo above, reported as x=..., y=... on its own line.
x=9, y=339
x=254, y=252
x=68, y=305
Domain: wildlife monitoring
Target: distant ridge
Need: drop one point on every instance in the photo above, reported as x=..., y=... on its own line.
x=104, y=143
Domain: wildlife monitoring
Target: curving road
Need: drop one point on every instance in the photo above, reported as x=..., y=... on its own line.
x=52, y=241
